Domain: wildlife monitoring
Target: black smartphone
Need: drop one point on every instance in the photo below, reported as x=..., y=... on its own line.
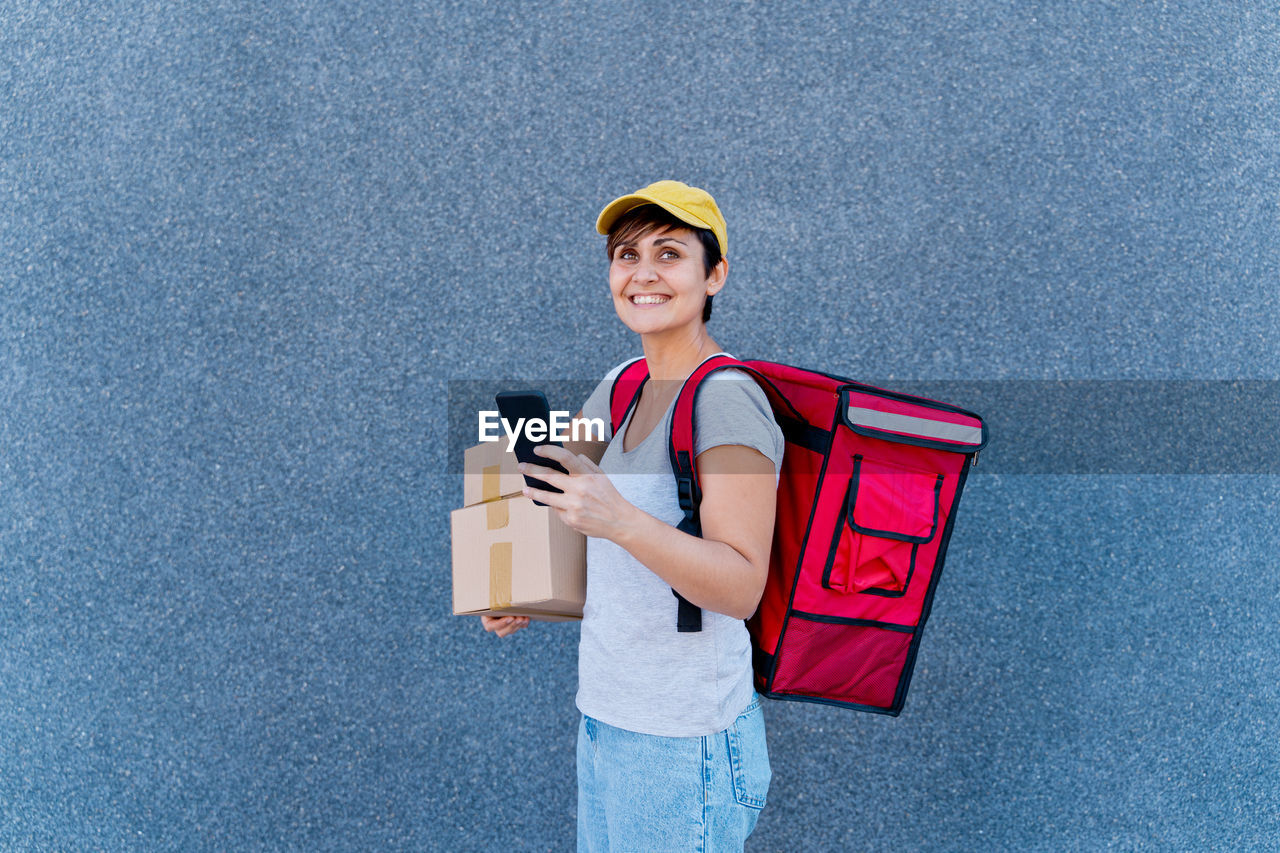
x=518, y=409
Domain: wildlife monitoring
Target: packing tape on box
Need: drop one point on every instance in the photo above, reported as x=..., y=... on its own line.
x=499, y=575
x=489, y=479
x=497, y=514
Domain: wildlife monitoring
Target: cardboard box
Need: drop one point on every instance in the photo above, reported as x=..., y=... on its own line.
x=489, y=473
x=511, y=556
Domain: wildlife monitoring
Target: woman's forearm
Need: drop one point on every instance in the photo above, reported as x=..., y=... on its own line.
x=708, y=573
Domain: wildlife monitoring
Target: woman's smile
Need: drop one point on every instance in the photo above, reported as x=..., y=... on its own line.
x=649, y=299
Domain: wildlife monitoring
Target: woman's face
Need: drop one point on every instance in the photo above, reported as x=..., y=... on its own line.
x=658, y=281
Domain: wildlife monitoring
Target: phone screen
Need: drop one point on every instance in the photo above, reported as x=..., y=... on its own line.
x=519, y=407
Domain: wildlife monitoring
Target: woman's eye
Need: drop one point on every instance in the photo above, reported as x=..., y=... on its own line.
x=670, y=253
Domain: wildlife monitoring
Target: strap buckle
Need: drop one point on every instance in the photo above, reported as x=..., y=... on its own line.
x=684, y=491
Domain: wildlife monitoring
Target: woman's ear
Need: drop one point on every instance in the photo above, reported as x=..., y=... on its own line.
x=719, y=273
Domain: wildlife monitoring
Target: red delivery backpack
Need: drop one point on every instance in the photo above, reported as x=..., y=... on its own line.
x=867, y=499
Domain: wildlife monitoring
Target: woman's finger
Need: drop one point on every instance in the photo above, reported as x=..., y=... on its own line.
x=570, y=461
x=588, y=466
x=555, y=500
x=503, y=626
x=546, y=475
x=514, y=623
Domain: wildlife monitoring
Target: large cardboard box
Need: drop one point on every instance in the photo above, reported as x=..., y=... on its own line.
x=489, y=473
x=511, y=556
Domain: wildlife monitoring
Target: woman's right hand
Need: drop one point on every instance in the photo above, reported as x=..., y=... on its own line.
x=504, y=625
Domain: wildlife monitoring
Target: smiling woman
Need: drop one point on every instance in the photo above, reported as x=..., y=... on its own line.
x=654, y=222
x=671, y=747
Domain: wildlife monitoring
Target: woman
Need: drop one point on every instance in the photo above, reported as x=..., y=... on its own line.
x=671, y=748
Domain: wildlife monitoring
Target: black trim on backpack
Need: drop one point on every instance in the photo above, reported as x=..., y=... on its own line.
x=822, y=700
x=761, y=661
x=835, y=538
x=850, y=620
x=803, y=434
x=688, y=615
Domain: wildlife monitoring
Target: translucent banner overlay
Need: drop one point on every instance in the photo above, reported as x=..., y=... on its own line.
x=1036, y=426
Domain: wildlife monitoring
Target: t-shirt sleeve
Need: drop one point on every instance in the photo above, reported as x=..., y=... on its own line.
x=733, y=409
x=597, y=404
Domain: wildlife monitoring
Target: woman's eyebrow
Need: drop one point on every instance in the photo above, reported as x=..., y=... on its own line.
x=667, y=240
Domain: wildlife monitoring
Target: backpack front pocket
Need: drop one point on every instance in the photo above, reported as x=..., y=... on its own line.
x=889, y=510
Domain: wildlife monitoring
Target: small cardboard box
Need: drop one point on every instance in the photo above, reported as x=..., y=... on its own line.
x=511, y=556
x=489, y=473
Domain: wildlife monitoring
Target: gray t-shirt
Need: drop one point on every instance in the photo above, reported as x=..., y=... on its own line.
x=635, y=670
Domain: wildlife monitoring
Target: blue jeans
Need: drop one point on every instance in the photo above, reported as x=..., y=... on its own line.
x=640, y=792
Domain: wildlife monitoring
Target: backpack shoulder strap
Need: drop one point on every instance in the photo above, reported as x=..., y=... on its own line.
x=625, y=391
x=684, y=466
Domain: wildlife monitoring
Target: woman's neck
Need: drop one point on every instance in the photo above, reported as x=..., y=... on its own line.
x=676, y=359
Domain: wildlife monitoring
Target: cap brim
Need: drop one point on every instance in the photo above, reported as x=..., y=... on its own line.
x=618, y=207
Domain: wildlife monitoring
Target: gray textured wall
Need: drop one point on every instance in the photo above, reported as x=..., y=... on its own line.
x=245, y=250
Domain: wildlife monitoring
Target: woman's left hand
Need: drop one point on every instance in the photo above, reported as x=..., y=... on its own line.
x=589, y=503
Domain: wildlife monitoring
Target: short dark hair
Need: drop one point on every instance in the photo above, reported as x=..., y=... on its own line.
x=646, y=219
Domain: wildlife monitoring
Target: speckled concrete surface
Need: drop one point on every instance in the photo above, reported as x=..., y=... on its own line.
x=245, y=251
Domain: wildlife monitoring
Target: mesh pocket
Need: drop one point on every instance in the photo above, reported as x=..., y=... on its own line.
x=861, y=664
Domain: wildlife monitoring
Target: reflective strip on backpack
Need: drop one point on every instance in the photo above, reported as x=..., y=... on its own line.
x=910, y=425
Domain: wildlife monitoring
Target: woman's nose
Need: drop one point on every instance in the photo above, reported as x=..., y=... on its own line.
x=645, y=270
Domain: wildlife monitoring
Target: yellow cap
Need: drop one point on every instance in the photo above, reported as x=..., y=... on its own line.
x=686, y=203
